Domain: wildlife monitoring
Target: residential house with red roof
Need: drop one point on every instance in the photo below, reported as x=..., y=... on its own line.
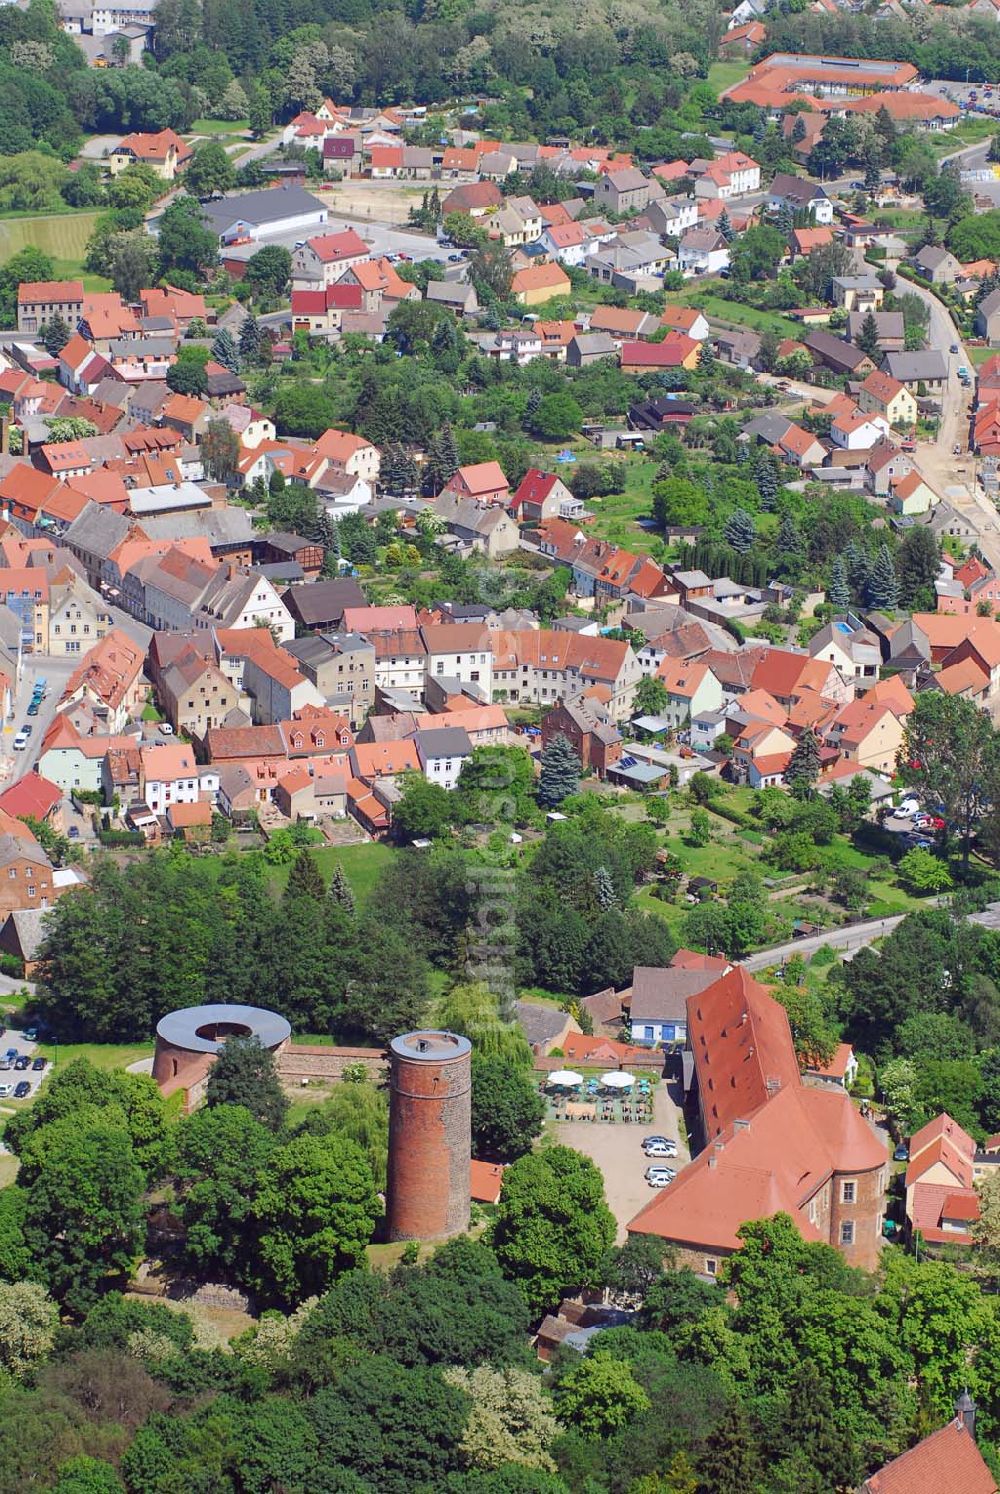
x=941, y=1200
x=691, y=688
x=542, y=495
x=323, y=259
x=110, y=676
x=164, y=151
x=485, y=482
x=769, y=1143
x=539, y=666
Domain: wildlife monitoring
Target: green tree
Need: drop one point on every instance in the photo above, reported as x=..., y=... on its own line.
x=560, y=772
x=423, y=809
x=220, y=450
x=187, y=377
x=923, y=872
x=221, y=1151
x=918, y=564
x=133, y=262
x=304, y=879
x=839, y=592
x=185, y=242
x=868, y=338
x=803, y=767
x=507, y=1110
x=245, y=1073
x=55, y=335
x=87, y=1475
x=511, y=1420
x=883, y=588
x=224, y=350
x=359, y=1112
x=600, y=1395
x=739, y=531
x=491, y=271
x=650, y=696
x=700, y=832
x=250, y=339
x=27, y=264
x=260, y=112
x=28, y=1322
x=269, y=270
x=730, y=1462
x=302, y=409
x=552, y=1226
x=340, y=890
x=210, y=172
x=949, y=754
x=82, y=1218
x=898, y=1085
x=315, y=1208
x=557, y=418
x=756, y=255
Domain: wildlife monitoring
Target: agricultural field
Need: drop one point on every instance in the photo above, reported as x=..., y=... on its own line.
x=63, y=235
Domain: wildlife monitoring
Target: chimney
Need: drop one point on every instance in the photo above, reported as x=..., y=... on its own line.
x=741, y=1125
x=965, y=1412
x=773, y=1084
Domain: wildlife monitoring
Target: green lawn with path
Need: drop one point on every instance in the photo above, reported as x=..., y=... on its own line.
x=101, y=1055
x=735, y=314
x=723, y=75
x=219, y=127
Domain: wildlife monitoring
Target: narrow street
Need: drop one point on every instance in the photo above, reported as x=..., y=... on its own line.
x=936, y=459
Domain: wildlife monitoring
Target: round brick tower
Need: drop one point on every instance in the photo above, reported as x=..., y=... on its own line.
x=430, y=1136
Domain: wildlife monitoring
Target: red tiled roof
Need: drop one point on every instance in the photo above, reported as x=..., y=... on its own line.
x=946, y=1462
x=741, y=1041
x=32, y=795
x=942, y=1126
x=485, y=1181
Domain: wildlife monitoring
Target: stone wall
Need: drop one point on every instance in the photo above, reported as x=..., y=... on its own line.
x=326, y=1062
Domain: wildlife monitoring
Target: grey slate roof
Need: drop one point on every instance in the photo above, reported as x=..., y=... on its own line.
x=220, y=526
x=269, y=205
x=540, y=1024
x=97, y=529
x=660, y=995
x=911, y=368
x=443, y=741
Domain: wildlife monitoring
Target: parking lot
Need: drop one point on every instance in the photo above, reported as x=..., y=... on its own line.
x=617, y=1150
x=18, y=1054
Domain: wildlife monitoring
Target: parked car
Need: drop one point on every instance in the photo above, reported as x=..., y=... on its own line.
x=166, y=728
x=11, y=1053
x=73, y=833
x=39, y=1065
x=31, y=1033
x=22, y=1090
x=906, y=810
x=21, y=740
x=659, y=1177
x=33, y=708
x=953, y=348
x=6, y=1090
x=659, y=1148
x=27, y=729
x=902, y=1153
x=22, y=1062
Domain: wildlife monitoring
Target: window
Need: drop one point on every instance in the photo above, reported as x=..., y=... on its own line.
x=847, y=1232
x=847, y=1192
x=32, y=891
x=711, y=1266
x=12, y=873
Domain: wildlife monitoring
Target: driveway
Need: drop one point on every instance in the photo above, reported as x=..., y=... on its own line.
x=617, y=1150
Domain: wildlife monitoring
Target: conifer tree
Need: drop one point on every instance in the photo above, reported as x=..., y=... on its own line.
x=766, y=478
x=340, y=890
x=883, y=589
x=560, y=775
x=304, y=878
x=839, y=591
x=605, y=889
x=730, y=1462
x=803, y=767
x=739, y=532
x=725, y=227
x=867, y=338
x=249, y=339
x=224, y=350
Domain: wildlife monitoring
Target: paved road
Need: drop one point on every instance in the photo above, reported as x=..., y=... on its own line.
x=936, y=459
x=849, y=939
x=13, y=765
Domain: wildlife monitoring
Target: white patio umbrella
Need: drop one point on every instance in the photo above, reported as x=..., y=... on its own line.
x=618, y=1080
x=564, y=1078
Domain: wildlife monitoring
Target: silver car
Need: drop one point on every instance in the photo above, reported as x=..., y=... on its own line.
x=659, y=1177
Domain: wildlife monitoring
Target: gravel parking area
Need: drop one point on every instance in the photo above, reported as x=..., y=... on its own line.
x=617, y=1150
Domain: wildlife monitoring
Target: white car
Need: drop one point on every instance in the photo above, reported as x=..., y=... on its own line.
x=166, y=728
x=659, y=1177
x=21, y=741
x=907, y=809
x=658, y=1146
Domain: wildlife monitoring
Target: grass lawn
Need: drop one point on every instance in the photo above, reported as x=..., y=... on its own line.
x=8, y=1169
x=735, y=314
x=617, y=516
x=63, y=235
x=361, y=863
x=101, y=1055
x=968, y=131
x=978, y=356
x=219, y=126
x=723, y=75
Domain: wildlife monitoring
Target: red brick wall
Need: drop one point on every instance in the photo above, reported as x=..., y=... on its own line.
x=430, y=1146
